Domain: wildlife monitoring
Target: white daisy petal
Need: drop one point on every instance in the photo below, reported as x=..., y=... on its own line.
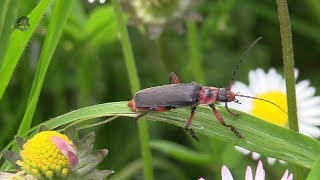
x=275, y=78
x=271, y=160
x=285, y=175
x=225, y=173
x=282, y=162
x=260, y=173
x=309, y=130
x=307, y=93
x=301, y=86
x=311, y=121
x=309, y=103
x=243, y=150
x=255, y=155
x=249, y=173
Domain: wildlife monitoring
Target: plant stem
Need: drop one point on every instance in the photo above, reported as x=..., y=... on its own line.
x=135, y=86
x=288, y=65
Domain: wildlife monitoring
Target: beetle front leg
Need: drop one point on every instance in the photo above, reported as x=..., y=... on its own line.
x=233, y=113
x=173, y=78
x=219, y=117
x=188, y=124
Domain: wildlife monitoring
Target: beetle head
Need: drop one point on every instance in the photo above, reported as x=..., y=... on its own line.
x=224, y=95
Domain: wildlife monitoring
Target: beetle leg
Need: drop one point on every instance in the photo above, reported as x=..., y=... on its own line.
x=173, y=78
x=158, y=109
x=187, y=127
x=233, y=113
x=219, y=117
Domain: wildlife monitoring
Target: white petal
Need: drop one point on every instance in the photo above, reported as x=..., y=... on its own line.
x=255, y=155
x=285, y=175
x=307, y=93
x=308, y=130
x=90, y=1
x=314, y=121
x=225, y=173
x=262, y=80
x=254, y=81
x=282, y=162
x=260, y=174
x=275, y=80
x=310, y=112
x=271, y=160
x=249, y=173
x=308, y=103
x=241, y=88
x=102, y=1
x=300, y=86
x=243, y=150
x=290, y=176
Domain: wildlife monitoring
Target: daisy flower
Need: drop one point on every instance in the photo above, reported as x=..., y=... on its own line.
x=52, y=155
x=260, y=173
x=271, y=86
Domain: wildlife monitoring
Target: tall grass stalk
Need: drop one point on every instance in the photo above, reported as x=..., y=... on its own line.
x=135, y=86
x=288, y=65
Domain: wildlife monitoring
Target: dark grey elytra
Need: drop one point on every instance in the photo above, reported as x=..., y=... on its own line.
x=172, y=95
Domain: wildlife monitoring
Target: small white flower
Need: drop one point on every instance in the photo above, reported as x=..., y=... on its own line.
x=271, y=86
x=260, y=173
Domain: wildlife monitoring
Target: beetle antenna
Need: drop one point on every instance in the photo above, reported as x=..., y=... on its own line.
x=252, y=97
x=242, y=58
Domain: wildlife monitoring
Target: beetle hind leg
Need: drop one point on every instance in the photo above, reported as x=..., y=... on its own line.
x=188, y=124
x=219, y=117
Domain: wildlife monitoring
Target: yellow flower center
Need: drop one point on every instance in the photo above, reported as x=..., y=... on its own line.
x=42, y=158
x=269, y=112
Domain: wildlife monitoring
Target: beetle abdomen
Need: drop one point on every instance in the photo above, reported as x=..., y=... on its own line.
x=172, y=95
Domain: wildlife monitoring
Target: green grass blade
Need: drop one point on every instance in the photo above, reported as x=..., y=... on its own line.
x=8, y=11
x=314, y=173
x=57, y=22
x=286, y=144
x=181, y=152
x=18, y=41
x=135, y=87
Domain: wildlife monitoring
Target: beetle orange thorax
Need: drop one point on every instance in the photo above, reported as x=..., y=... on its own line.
x=208, y=95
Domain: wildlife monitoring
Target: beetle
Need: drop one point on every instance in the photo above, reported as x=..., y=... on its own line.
x=178, y=95
x=22, y=23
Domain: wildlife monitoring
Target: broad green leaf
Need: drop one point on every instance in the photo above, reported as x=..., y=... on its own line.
x=260, y=136
x=18, y=42
x=315, y=171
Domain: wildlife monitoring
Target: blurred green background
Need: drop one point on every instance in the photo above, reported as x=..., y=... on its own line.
x=88, y=68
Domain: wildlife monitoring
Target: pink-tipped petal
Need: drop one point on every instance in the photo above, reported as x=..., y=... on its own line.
x=67, y=149
x=285, y=175
x=249, y=173
x=225, y=173
x=201, y=178
x=260, y=173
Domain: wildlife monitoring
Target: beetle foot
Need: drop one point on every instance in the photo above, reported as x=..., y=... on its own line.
x=236, y=132
x=193, y=134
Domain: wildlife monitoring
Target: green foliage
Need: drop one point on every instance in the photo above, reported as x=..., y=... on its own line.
x=69, y=62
